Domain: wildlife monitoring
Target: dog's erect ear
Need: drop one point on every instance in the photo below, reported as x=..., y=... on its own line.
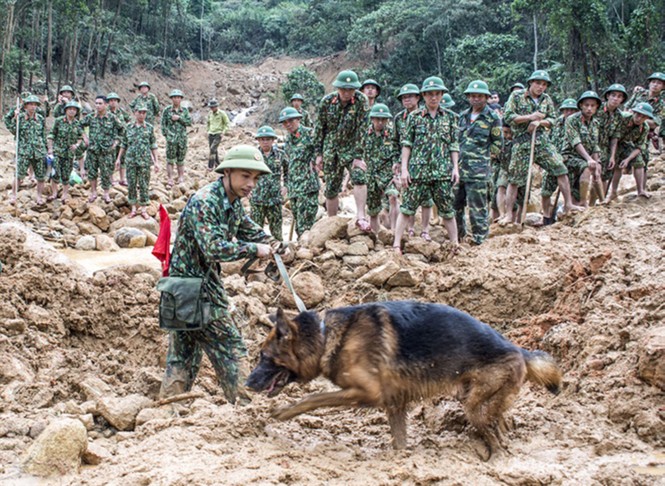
x=285, y=327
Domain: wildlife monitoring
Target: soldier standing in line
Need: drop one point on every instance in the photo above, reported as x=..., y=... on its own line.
x=216, y=124
x=65, y=95
x=124, y=118
x=139, y=149
x=65, y=141
x=480, y=141
x=300, y=177
x=175, y=120
x=266, y=201
x=609, y=120
x=297, y=101
x=372, y=90
x=148, y=99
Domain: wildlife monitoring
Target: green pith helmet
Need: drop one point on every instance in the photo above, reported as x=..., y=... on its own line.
x=447, y=101
x=141, y=107
x=568, y=104
x=379, y=110
x=297, y=96
x=31, y=99
x=478, y=87
x=408, y=89
x=243, y=157
x=433, y=83
x=540, y=76
x=347, y=80
x=212, y=103
x=289, y=113
x=144, y=83
x=372, y=82
x=643, y=109
x=516, y=86
x=73, y=104
x=265, y=132
x=176, y=92
x=112, y=96
x=616, y=87
x=588, y=95
x=25, y=94
x=659, y=76
x=66, y=88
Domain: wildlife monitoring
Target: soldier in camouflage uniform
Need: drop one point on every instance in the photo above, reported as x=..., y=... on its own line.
x=214, y=228
x=629, y=148
x=65, y=95
x=300, y=178
x=175, y=120
x=609, y=120
x=266, y=201
x=429, y=161
x=65, y=142
x=31, y=144
x=528, y=110
x=500, y=177
x=341, y=122
x=105, y=132
x=480, y=141
x=297, y=100
x=380, y=154
x=139, y=149
x=124, y=118
x=216, y=124
x=372, y=90
x=148, y=99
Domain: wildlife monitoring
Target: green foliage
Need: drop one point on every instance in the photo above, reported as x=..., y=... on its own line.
x=303, y=81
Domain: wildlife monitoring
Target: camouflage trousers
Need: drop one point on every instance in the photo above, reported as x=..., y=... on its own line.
x=379, y=188
x=474, y=195
x=64, y=164
x=638, y=162
x=223, y=344
x=421, y=193
x=333, y=173
x=271, y=212
x=100, y=164
x=304, y=210
x=138, y=178
x=122, y=159
x=576, y=166
x=213, y=142
x=545, y=155
x=38, y=165
x=176, y=152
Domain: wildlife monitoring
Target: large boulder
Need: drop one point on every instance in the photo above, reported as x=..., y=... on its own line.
x=309, y=288
x=121, y=412
x=332, y=228
x=105, y=243
x=651, y=363
x=57, y=450
x=86, y=243
x=149, y=224
x=98, y=217
x=380, y=275
x=130, y=238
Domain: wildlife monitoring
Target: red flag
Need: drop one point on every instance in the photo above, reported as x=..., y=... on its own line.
x=162, y=248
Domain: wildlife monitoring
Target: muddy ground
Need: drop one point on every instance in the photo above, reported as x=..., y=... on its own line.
x=589, y=290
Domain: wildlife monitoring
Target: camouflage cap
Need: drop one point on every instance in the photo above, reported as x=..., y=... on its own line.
x=408, y=88
x=588, y=95
x=112, y=96
x=66, y=88
x=297, y=96
x=433, y=83
x=568, y=104
x=616, y=87
x=379, y=110
x=347, y=80
x=643, y=109
x=265, y=131
x=289, y=113
x=243, y=157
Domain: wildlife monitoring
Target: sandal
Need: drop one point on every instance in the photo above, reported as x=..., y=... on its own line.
x=411, y=233
x=92, y=198
x=145, y=215
x=52, y=197
x=363, y=225
x=425, y=236
x=107, y=200
x=397, y=250
x=132, y=214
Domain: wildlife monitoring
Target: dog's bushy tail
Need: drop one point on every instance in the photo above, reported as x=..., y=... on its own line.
x=542, y=369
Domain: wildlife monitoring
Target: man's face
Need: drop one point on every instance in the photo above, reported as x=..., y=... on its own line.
x=432, y=99
x=144, y=90
x=214, y=109
x=639, y=118
x=113, y=103
x=477, y=101
x=566, y=112
x=537, y=87
x=371, y=91
x=296, y=104
x=291, y=125
x=243, y=181
x=100, y=106
x=140, y=116
x=410, y=101
x=30, y=108
x=67, y=95
x=379, y=124
x=176, y=101
x=71, y=112
x=265, y=143
x=656, y=86
x=507, y=133
x=345, y=94
x=493, y=98
x=615, y=98
x=589, y=107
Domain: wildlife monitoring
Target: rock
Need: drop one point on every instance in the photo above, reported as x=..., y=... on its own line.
x=93, y=388
x=150, y=239
x=12, y=327
x=304, y=254
x=121, y=412
x=130, y=238
x=87, y=228
x=385, y=236
x=87, y=420
x=403, y=278
x=98, y=217
x=57, y=450
x=358, y=248
x=139, y=223
x=338, y=247
x=95, y=454
x=422, y=247
x=12, y=368
x=86, y=243
x=148, y=414
x=105, y=243
x=309, y=288
x=330, y=228
x=651, y=361
x=380, y=275
x=354, y=261
x=362, y=238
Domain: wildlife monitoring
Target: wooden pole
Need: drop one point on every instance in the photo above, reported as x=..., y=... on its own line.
x=528, y=177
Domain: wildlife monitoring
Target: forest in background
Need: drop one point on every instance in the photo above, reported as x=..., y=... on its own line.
x=585, y=44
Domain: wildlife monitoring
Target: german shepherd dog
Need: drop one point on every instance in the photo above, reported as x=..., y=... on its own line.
x=388, y=354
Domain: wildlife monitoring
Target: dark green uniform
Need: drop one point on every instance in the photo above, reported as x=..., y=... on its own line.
x=632, y=137
x=306, y=119
x=302, y=183
x=380, y=154
x=211, y=230
x=151, y=102
x=577, y=131
x=31, y=145
x=657, y=103
x=175, y=133
x=608, y=125
x=64, y=134
x=124, y=117
x=138, y=142
x=400, y=130
x=480, y=139
x=103, y=132
x=338, y=138
x=266, y=200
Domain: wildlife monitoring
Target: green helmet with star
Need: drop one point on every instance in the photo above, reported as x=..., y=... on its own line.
x=540, y=76
x=73, y=104
x=347, y=80
x=112, y=96
x=643, y=109
x=243, y=157
x=144, y=84
x=478, y=87
x=658, y=76
x=371, y=82
x=588, y=95
x=568, y=104
x=297, y=96
x=289, y=113
x=176, y=92
x=31, y=99
x=433, y=83
x=265, y=131
x=447, y=101
x=408, y=88
x=516, y=86
x=379, y=110
x=616, y=87
x=66, y=88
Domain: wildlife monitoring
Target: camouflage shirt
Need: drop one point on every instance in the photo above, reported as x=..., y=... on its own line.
x=139, y=142
x=175, y=131
x=379, y=150
x=480, y=140
x=121, y=115
x=103, y=131
x=211, y=229
x=578, y=131
x=521, y=104
x=609, y=123
x=32, y=134
x=657, y=103
x=268, y=189
x=400, y=128
x=150, y=100
x=431, y=141
x=339, y=128
x=557, y=135
x=632, y=136
x=65, y=134
x=503, y=158
x=306, y=119
x=299, y=178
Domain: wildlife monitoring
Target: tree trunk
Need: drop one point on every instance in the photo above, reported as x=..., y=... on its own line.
x=201, y=30
x=49, y=46
x=6, y=46
x=110, y=41
x=535, y=42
